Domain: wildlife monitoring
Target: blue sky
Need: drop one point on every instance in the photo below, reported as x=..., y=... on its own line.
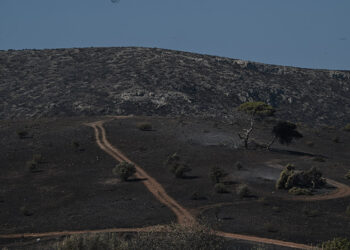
x=303, y=33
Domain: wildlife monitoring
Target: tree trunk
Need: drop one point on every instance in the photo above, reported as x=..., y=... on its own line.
x=270, y=144
x=248, y=132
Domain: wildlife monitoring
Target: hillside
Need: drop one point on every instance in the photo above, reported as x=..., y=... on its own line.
x=145, y=81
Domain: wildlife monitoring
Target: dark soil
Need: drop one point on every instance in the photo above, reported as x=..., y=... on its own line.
x=73, y=187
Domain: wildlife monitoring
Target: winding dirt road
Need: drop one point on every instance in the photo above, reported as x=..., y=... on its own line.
x=184, y=217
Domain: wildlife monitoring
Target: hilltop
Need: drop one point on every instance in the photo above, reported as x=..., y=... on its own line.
x=147, y=81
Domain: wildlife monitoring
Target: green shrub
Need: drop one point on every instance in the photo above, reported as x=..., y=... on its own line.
x=347, y=176
x=299, y=191
x=336, y=244
x=124, y=170
x=290, y=178
x=144, y=126
x=220, y=188
x=243, y=191
x=347, y=127
x=216, y=174
x=179, y=170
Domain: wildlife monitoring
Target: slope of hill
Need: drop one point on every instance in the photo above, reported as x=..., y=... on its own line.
x=100, y=81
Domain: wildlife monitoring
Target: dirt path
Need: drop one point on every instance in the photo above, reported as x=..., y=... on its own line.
x=184, y=217
x=341, y=190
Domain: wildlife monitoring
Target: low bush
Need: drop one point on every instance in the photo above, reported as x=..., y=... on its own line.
x=220, y=188
x=336, y=244
x=347, y=175
x=319, y=159
x=217, y=175
x=144, y=126
x=311, y=212
x=243, y=191
x=347, y=127
x=299, y=191
x=124, y=170
x=180, y=170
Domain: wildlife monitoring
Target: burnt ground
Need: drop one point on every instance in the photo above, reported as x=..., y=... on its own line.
x=267, y=213
x=74, y=189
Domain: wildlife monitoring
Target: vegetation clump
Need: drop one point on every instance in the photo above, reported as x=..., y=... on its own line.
x=220, y=188
x=300, y=191
x=298, y=182
x=336, y=244
x=347, y=176
x=243, y=191
x=178, y=168
x=347, y=127
x=197, y=237
x=124, y=170
x=217, y=174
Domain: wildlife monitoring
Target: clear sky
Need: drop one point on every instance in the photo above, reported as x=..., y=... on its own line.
x=303, y=33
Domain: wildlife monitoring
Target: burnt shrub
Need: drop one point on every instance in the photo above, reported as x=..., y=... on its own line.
x=124, y=170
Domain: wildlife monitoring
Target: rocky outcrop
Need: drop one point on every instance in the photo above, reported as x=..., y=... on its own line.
x=100, y=81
